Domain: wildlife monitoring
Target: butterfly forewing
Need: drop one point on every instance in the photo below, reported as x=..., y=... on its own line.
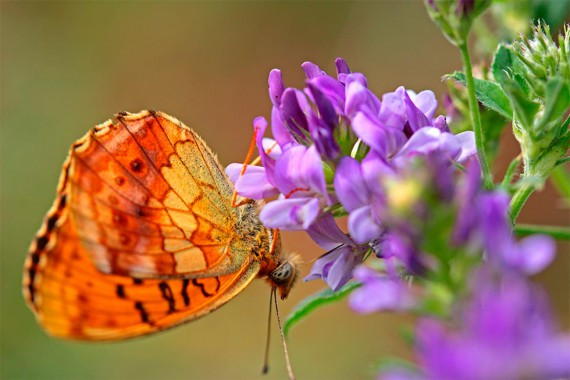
x=149, y=199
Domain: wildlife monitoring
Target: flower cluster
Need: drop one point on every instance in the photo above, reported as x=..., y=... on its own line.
x=338, y=149
x=504, y=331
x=412, y=195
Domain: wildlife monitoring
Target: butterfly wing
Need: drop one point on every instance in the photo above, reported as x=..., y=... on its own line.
x=72, y=299
x=147, y=198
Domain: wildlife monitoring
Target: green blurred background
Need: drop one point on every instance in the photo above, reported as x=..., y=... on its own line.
x=67, y=66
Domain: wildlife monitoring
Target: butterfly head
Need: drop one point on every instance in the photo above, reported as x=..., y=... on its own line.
x=285, y=275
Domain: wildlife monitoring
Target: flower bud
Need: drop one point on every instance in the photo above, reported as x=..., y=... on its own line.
x=454, y=17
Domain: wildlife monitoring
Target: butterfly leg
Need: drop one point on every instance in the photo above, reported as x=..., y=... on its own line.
x=275, y=240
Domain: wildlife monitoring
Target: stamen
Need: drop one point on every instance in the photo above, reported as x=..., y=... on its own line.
x=244, y=167
x=295, y=190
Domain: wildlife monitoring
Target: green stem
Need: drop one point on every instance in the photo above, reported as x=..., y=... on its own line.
x=563, y=161
x=475, y=116
x=510, y=172
x=558, y=232
x=518, y=200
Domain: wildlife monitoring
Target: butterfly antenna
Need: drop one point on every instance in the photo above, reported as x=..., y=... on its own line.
x=265, y=368
x=324, y=254
x=287, y=360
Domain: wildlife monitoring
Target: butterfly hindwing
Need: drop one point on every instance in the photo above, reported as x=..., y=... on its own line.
x=73, y=299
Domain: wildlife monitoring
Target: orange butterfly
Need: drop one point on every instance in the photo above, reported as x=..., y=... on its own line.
x=143, y=237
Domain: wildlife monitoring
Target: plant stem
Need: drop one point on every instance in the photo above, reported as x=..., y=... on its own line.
x=562, y=161
x=475, y=116
x=510, y=172
x=518, y=200
x=558, y=232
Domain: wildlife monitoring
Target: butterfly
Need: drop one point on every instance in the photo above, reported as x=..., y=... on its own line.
x=143, y=236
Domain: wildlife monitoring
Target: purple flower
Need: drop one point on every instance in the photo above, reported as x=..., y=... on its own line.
x=336, y=266
x=505, y=331
x=482, y=223
x=294, y=111
x=380, y=292
x=300, y=179
x=253, y=183
x=358, y=187
x=529, y=256
x=382, y=139
x=315, y=129
x=467, y=197
x=430, y=139
x=402, y=246
x=322, y=127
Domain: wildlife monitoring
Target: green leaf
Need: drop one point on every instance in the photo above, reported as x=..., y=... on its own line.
x=506, y=64
x=311, y=303
x=489, y=94
x=508, y=71
x=502, y=62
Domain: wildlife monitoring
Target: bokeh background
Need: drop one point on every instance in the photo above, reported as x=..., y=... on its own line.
x=66, y=66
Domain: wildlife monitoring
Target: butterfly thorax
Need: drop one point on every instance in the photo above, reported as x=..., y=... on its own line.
x=258, y=240
x=265, y=247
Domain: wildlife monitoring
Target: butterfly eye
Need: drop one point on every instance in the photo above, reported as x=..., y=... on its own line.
x=283, y=273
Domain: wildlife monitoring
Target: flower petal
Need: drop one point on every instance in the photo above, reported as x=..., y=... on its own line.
x=349, y=184
x=467, y=143
x=341, y=66
x=495, y=227
x=271, y=148
x=441, y=123
x=276, y=87
x=384, y=140
x=426, y=102
x=326, y=110
x=536, y=253
x=322, y=265
x=393, y=110
x=253, y=183
x=360, y=99
x=380, y=292
x=278, y=129
x=340, y=271
x=290, y=214
x=311, y=169
x=326, y=233
x=416, y=118
x=294, y=109
x=362, y=226
x=427, y=140
x=332, y=89
x=311, y=70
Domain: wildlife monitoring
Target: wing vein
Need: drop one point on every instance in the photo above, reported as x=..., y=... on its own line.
x=187, y=169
